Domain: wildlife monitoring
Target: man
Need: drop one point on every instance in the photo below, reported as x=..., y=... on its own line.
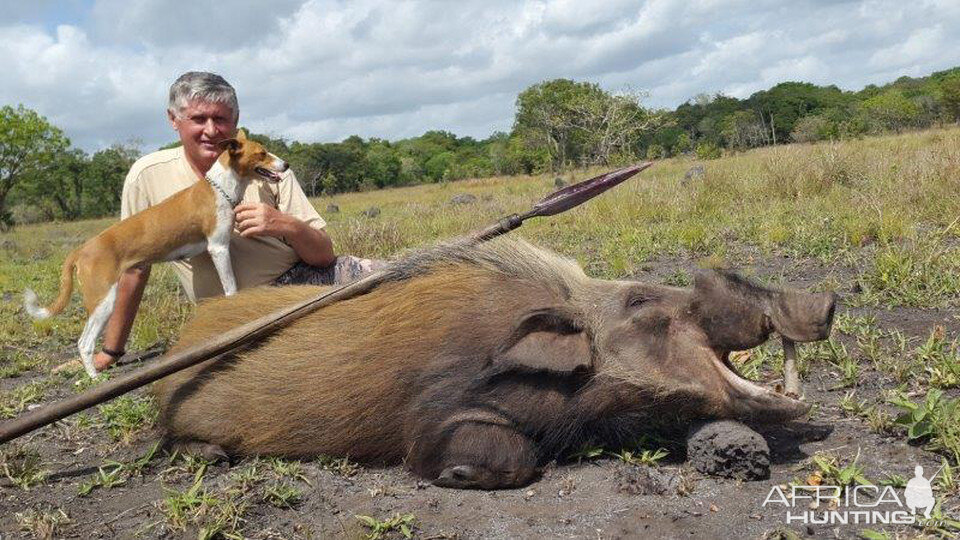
x=281, y=238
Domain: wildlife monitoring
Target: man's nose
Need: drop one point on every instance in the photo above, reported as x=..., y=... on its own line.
x=210, y=128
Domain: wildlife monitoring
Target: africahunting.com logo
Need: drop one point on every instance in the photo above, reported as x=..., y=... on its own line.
x=863, y=504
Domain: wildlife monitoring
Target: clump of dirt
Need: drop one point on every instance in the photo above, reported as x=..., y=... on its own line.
x=648, y=481
x=728, y=449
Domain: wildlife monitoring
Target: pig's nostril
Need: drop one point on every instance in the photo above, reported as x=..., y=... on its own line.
x=831, y=309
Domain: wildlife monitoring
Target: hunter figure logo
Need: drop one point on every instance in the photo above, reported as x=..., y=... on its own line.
x=862, y=504
x=918, y=493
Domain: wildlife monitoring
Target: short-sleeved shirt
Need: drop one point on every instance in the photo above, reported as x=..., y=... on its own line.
x=256, y=260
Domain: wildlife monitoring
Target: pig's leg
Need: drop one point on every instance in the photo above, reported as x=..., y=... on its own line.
x=208, y=451
x=480, y=455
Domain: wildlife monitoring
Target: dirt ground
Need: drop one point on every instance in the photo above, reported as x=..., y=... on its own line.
x=601, y=498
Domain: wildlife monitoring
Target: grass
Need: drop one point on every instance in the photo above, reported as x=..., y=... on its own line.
x=114, y=473
x=880, y=213
x=915, y=273
x=31, y=256
x=884, y=205
x=402, y=524
x=341, y=466
x=217, y=509
x=286, y=468
x=282, y=495
x=14, y=402
x=649, y=458
x=42, y=523
x=126, y=415
x=642, y=453
x=830, y=470
x=17, y=362
x=212, y=515
x=822, y=201
x=879, y=420
x=23, y=466
x=940, y=358
x=935, y=422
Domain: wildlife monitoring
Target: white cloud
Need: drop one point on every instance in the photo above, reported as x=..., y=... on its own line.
x=919, y=47
x=325, y=69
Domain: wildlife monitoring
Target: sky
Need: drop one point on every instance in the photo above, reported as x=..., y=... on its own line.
x=320, y=70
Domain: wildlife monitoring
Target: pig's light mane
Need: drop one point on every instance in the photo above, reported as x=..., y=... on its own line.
x=511, y=258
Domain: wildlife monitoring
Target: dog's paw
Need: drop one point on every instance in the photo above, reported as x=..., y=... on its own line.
x=68, y=368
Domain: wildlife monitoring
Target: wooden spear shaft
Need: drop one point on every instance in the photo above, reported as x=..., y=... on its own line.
x=257, y=329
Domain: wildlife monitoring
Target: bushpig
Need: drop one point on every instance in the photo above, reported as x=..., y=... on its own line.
x=476, y=364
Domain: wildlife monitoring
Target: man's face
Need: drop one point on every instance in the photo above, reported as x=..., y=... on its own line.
x=202, y=126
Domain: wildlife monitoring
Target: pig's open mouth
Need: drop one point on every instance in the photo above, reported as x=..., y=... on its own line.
x=761, y=403
x=267, y=173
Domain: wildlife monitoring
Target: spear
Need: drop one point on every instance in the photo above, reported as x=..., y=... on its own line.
x=258, y=329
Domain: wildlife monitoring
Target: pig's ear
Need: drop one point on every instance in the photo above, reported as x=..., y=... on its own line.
x=547, y=340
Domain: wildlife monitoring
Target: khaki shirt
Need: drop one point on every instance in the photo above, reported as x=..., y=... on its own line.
x=256, y=260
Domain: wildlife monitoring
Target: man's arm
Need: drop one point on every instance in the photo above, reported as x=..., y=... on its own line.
x=129, y=292
x=313, y=246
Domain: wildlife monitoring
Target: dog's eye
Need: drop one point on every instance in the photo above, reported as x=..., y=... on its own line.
x=637, y=299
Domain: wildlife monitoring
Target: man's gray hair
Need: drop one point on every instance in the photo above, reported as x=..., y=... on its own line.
x=202, y=86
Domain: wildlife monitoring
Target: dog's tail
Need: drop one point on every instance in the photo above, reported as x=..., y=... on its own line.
x=31, y=303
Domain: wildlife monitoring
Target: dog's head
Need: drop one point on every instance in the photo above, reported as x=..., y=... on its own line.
x=250, y=159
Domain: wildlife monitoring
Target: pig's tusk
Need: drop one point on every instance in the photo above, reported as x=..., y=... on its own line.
x=791, y=376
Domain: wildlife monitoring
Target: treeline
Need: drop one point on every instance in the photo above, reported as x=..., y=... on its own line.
x=357, y=164
x=43, y=178
x=558, y=124
x=563, y=123
x=803, y=112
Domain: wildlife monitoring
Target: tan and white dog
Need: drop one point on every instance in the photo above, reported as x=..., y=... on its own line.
x=199, y=218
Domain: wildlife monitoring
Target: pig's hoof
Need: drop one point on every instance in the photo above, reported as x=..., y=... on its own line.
x=459, y=476
x=209, y=452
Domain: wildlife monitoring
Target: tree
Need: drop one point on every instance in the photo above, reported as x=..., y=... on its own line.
x=28, y=146
x=579, y=123
x=105, y=174
x=811, y=128
x=702, y=118
x=383, y=164
x=950, y=97
x=787, y=102
x=438, y=167
x=614, y=126
x=60, y=192
x=892, y=110
x=548, y=119
x=306, y=162
x=502, y=162
x=743, y=129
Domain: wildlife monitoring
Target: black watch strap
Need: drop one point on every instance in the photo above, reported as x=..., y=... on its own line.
x=113, y=353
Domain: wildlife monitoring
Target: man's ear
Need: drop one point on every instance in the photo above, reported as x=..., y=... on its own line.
x=548, y=340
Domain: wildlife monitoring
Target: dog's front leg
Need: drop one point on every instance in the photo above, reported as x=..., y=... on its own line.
x=221, y=261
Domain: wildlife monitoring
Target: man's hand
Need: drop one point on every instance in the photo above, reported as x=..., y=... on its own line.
x=260, y=219
x=313, y=246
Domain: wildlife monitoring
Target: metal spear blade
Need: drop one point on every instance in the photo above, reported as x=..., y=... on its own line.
x=568, y=197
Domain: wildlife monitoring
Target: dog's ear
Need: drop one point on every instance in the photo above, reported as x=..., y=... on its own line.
x=230, y=145
x=241, y=135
